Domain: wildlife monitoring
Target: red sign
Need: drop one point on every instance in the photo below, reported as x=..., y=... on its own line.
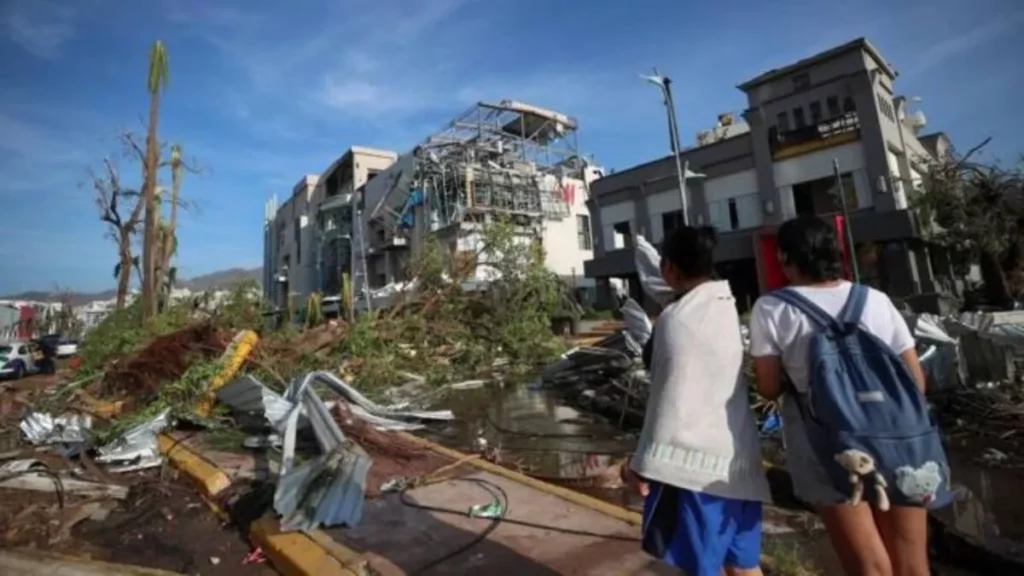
x=773, y=276
x=569, y=193
x=844, y=251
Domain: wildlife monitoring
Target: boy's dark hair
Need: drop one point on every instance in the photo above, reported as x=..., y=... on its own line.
x=809, y=244
x=691, y=250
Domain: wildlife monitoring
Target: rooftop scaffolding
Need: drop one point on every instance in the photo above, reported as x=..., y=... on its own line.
x=509, y=158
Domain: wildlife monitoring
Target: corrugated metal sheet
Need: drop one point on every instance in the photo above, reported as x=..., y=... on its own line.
x=247, y=394
x=139, y=443
x=43, y=428
x=329, y=489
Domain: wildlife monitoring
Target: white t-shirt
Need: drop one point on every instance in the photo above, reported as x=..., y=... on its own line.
x=779, y=329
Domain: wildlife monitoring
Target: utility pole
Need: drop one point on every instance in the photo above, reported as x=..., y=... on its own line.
x=852, y=251
x=665, y=83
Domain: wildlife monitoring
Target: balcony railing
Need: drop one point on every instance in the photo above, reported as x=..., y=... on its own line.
x=823, y=131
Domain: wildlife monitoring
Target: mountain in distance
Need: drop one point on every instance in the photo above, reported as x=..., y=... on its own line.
x=212, y=281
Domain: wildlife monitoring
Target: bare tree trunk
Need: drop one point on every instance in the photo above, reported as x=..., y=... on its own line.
x=997, y=291
x=149, y=242
x=124, y=274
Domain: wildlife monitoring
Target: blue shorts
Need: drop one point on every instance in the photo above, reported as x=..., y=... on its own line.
x=699, y=533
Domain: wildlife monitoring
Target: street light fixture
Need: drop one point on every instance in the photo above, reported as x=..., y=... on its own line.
x=682, y=168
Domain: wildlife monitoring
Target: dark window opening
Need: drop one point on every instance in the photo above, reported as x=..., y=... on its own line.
x=298, y=240
x=371, y=174
x=848, y=105
x=798, y=118
x=815, y=112
x=783, y=122
x=584, y=238
x=821, y=196
x=734, y=215
x=832, y=103
x=671, y=220
x=623, y=229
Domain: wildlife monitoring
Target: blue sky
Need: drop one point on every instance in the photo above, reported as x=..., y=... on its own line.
x=263, y=92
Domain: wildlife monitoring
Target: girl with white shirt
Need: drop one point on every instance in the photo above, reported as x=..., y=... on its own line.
x=698, y=460
x=868, y=542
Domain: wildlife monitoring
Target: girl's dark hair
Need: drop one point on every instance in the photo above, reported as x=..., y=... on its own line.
x=691, y=250
x=809, y=244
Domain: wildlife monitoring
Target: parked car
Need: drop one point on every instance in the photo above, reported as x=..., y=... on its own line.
x=67, y=348
x=17, y=359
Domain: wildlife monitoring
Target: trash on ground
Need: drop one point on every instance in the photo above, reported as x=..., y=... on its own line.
x=42, y=428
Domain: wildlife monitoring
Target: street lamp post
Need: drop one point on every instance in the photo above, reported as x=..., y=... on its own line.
x=665, y=83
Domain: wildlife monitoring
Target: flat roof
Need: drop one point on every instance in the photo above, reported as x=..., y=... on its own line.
x=857, y=44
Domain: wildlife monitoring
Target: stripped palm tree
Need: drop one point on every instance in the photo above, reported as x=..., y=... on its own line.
x=156, y=82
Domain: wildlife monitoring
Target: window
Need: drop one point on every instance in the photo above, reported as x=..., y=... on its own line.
x=583, y=237
x=832, y=103
x=734, y=215
x=783, y=122
x=623, y=236
x=371, y=174
x=798, y=118
x=801, y=82
x=815, y=112
x=670, y=221
x=848, y=105
x=297, y=233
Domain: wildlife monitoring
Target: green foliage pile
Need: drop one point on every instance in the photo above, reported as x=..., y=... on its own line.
x=449, y=327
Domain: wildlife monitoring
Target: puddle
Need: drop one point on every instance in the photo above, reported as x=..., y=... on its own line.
x=537, y=432
x=987, y=504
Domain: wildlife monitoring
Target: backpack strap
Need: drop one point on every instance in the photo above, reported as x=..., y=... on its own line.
x=850, y=315
x=823, y=319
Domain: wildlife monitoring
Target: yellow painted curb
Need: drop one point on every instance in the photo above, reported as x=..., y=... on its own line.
x=296, y=554
x=241, y=346
x=617, y=512
x=210, y=479
x=33, y=562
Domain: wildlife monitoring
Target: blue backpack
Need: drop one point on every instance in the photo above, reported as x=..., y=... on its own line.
x=866, y=420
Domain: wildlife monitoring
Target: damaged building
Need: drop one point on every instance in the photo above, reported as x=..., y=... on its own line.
x=367, y=216
x=776, y=163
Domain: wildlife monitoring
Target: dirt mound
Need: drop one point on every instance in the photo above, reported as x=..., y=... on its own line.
x=137, y=381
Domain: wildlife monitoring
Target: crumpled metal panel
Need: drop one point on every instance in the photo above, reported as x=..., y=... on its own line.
x=247, y=394
x=139, y=443
x=349, y=393
x=43, y=428
x=329, y=489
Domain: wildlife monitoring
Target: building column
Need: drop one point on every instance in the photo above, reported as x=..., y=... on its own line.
x=872, y=138
x=764, y=165
x=641, y=216
x=925, y=274
x=596, y=229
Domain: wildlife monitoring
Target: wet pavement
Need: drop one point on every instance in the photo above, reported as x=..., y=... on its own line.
x=540, y=534
x=529, y=428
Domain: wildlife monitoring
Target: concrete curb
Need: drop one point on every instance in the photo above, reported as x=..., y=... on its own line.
x=35, y=563
x=297, y=554
x=210, y=479
x=290, y=553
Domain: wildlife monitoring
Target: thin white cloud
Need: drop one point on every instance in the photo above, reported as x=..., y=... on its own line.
x=39, y=27
x=944, y=50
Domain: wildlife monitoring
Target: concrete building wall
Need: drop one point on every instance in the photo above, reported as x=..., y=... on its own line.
x=838, y=105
